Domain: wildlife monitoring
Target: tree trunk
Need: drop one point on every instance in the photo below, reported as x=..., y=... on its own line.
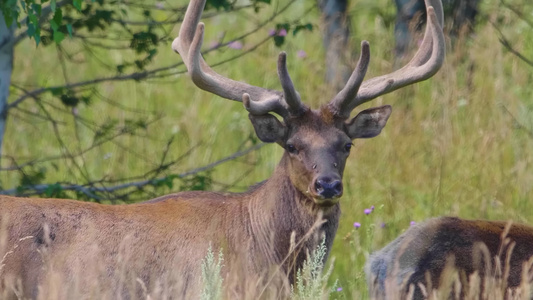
x=336, y=34
x=6, y=67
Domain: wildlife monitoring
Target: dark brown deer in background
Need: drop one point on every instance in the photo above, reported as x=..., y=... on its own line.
x=422, y=259
x=171, y=234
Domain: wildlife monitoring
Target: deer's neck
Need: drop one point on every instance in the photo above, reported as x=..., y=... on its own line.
x=278, y=210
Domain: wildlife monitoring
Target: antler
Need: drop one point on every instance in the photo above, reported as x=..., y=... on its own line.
x=426, y=62
x=189, y=43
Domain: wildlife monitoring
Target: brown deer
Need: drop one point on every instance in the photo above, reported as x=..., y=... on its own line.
x=260, y=229
x=496, y=254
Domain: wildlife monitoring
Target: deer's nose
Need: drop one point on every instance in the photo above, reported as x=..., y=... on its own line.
x=328, y=188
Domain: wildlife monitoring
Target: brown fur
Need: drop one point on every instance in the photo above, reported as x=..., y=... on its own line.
x=426, y=248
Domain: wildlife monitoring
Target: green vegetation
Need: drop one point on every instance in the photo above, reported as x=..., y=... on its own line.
x=458, y=144
x=310, y=282
x=211, y=278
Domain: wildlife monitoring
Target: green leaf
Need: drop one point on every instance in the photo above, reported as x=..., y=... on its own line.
x=298, y=28
x=54, y=25
x=69, y=29
x=69, y=99
x=58, y=17
x=279, y=40
x=105, y=130
x=33, y=176
x=36, y=8
x=77, y=4
x=53, y=5
x=218, y=4
x=33, y=20
x=120, y=68
x=53, y=190
x=58, y=36
x=57, y=91
x=31, y=30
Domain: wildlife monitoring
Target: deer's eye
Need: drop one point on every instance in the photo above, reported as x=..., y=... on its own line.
x=348, y=147
x=292, y=149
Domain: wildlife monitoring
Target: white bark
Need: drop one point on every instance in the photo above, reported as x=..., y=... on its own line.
x=6, y=68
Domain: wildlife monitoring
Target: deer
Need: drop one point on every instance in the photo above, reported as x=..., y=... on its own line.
x=487, y=257
x=263, y=231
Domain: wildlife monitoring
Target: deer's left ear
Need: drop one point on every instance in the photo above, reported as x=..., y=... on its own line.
x=368, y=123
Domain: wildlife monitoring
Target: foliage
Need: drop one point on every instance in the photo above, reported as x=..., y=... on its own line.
x=310, y=282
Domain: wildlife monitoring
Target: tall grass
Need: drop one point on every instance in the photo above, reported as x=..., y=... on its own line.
x=457, y=144
x=211, y=276
x=311, y=280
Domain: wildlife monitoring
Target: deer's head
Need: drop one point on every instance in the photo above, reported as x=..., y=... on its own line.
x=316, y=142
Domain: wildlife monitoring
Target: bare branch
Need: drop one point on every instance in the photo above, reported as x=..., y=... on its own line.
x=91, y=191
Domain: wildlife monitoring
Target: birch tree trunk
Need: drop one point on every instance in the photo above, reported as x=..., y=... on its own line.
x=7, y=43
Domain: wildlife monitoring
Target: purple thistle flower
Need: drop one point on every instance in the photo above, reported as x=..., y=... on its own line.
x=382, y=225
x=272, y=32
x=372, y=207
x=339, y=289
x=412, y=223
x=282, y=32
x=301, y=54
x=237, y=45
x=367, y=211
x=356, y=225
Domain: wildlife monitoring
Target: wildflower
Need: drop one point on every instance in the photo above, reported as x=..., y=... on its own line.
x=339, y=289
x=367, y=211
x=382, y=225
x=412, y=223
x=214, y=44
x=235, y=45
x=282, y=32
x=356, y=225
x=272, y=32
x=301, y=54
x=372, y=207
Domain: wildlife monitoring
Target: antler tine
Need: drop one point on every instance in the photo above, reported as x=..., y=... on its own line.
x=189, y=43
x=425, y=63
x=292, y=98
x=340, y=105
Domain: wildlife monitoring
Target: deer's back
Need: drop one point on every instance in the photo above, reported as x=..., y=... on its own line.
x=147, y=241
x=427, y=247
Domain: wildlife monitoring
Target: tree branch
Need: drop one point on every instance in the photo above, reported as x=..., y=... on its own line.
x=45, y=12
x=91, y=191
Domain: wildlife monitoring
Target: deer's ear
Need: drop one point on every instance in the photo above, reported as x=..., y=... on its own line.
x=268, y=128
x=368, y=123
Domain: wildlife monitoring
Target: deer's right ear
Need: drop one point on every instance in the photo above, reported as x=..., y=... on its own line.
x=268, y=128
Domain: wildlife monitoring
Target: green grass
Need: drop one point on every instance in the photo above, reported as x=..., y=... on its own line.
x=458, y=144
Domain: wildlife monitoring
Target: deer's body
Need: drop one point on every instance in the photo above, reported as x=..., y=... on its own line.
x=467, y=246
x=143, y=247
x=253, y=228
